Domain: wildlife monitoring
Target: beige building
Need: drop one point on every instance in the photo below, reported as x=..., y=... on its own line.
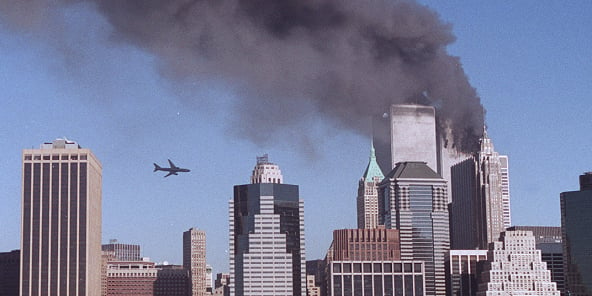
x=61, y=221
x=515, y=267
x=194, y=259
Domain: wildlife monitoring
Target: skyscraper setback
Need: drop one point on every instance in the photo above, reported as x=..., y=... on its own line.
x=61, y=221
x=267, y=252
x=480, y=208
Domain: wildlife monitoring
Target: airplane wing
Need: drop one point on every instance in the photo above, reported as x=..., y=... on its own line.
x=172, y=165
x=170, y=173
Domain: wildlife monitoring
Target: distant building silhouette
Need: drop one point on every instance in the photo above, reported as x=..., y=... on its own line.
x=576, y=230
x=61, y=221
x=267, y=252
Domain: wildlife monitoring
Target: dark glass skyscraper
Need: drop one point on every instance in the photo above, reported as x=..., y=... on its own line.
x=267, y=254
x=413, y=198
x=576, y=218
x=61, y=221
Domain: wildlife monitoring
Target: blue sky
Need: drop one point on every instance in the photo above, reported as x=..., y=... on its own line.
x=529, y=61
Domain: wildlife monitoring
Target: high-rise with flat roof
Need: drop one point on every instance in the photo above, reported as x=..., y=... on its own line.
x=194, y=259
x=267, y=252
x=413, y=199
x=61, y=221
x=122, y=252
x=9, y=273
x=463, y=271
x=367, y=201
x=576, y=232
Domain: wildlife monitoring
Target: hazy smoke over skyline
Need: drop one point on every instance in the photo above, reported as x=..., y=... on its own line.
x=347, y=60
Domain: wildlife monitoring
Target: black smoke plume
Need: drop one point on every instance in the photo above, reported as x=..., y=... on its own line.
x=346, y=60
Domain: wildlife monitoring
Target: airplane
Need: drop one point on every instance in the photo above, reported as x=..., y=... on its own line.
x=173, y=169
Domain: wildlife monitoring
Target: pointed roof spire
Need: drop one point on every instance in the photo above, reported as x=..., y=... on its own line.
x=372, y=170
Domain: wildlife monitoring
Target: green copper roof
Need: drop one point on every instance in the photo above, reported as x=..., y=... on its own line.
x=372, y=170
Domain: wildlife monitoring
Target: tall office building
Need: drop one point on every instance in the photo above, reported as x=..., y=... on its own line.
x=365, y=245
x=367, y=201
x=576, y=232
x=61, y=221
x=172, y=280
x=515, y=267
x=267, y=252
x=548, y=240
x=413, y=199
x=131, y=278
x=480, y=208
x=194, y=259
x=406, y=133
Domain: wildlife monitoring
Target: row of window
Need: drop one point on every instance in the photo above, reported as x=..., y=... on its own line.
x=56, y=157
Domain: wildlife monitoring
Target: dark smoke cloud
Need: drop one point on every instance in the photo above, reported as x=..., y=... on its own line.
x=347, y=60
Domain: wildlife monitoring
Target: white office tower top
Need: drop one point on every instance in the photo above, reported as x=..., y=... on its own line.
x=266, y=172
x=515, y=268
x=491, y=182
x=266, y=236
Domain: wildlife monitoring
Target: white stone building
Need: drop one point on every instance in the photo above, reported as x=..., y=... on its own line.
x=515, y=267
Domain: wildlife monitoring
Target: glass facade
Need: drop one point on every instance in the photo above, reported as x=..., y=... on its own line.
x=576, y=218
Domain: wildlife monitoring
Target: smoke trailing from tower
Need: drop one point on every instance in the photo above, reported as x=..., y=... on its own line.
x=346, y=60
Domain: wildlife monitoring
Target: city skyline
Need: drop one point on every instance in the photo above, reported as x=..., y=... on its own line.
x=534, y=87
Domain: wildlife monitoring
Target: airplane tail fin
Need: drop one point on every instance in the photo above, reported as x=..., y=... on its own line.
x=156, y=167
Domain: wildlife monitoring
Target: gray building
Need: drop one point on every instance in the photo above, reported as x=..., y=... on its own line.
x=576, y=218
x=413, y=199
x=194, y=259
x=61, y=221
x=267, y=251
x=480, y=208
x=122, y=252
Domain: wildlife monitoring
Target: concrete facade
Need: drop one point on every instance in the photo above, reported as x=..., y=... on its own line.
x=61, y=221
x=123, y=252
x=131, y=278
x=515, y=267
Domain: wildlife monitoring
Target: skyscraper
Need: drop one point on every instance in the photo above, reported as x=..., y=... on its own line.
x=413, y=199
x=576, y=232
x=480, y=208
x=367, y=201
x=406, y=133
x=267, y=252
x=515, y=267
x=194, y=259
x=61, y=221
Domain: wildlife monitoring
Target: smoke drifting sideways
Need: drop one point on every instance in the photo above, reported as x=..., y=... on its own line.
x=345, y=60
